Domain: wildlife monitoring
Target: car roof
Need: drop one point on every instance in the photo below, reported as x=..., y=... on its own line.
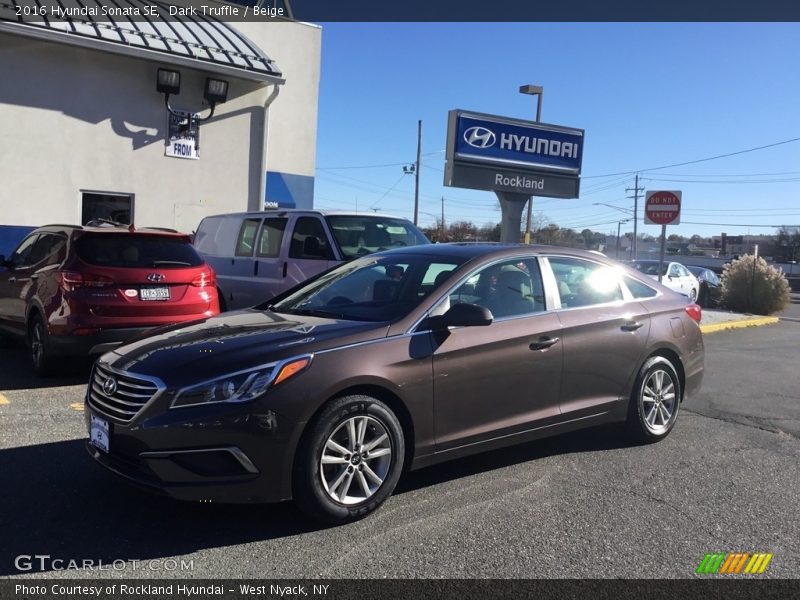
x=63, y=228
x=309, y=211
x=470, y=250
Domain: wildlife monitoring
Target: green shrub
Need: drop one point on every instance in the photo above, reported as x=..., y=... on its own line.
x=749, y=284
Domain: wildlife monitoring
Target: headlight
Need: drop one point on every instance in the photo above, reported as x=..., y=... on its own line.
x=241, y=386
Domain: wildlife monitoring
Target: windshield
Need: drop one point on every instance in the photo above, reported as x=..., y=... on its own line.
x=374, y=288
x=358, y=235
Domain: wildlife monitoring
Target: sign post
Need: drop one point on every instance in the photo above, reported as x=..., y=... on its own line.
x=663, y=208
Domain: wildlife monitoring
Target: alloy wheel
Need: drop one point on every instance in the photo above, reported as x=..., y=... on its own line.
x=356, y=459
x=659, y=401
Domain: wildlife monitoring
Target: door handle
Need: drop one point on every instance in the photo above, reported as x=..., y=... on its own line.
x=285, y=268
x=34, y=276
x=543, y=343
x=631, y=325
x=255, y=269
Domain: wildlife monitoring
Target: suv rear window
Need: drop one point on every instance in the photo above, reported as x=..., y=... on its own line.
x=137, y=251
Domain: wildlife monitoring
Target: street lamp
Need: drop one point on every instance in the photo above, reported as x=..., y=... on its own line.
x=538, y=91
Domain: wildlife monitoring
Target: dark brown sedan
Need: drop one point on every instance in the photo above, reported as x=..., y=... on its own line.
x=394, y=361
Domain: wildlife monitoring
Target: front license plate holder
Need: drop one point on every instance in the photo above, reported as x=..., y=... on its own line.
x=99, y=434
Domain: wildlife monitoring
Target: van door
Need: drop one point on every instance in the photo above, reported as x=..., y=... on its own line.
x=240, y=292
x=310, y=251
x=268, y=265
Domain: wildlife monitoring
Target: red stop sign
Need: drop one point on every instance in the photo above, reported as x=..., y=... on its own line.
x=662, y=208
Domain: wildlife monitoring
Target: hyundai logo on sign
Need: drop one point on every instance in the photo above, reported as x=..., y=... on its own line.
x=480, y=137
x=517, y=143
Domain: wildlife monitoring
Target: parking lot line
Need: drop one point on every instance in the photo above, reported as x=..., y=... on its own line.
x=4, y=400
x=76, y=406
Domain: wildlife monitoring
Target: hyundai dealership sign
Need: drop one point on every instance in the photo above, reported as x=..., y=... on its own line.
x=489, y=152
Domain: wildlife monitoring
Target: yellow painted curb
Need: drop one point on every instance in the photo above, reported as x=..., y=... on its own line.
x=4, y=400
x=754, y=322
x=77, y=406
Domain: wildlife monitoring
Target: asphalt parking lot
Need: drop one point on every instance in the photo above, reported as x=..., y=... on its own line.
x=581, y=505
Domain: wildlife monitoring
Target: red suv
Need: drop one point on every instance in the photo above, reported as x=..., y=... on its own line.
x=71, y=290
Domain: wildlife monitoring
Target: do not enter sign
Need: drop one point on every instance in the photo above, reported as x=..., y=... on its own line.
x=662, y=208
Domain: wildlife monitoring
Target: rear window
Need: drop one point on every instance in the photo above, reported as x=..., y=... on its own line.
x=137, y=251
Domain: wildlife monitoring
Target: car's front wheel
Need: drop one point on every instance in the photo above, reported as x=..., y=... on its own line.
x=350, y=460
x=655, y=401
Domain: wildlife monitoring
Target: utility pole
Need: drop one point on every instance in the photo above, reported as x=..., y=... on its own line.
x=416, y=172
x=635, y=189
x=538, y=91
x=441, y=235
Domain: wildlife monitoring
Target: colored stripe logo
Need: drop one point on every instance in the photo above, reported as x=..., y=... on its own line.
x=734, y=563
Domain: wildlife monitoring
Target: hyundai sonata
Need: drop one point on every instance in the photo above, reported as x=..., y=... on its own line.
x=393, y=361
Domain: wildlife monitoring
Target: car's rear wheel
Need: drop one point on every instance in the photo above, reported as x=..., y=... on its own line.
x=350, y=460
x=655, y=401
x=39, y=346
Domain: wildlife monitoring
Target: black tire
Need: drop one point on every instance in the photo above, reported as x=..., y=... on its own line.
x=315, y=489
x=223, y=306
x=643, y=425
x=39, y=346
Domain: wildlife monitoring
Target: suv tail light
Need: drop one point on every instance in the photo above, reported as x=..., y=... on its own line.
x=206, y=279
x=694, y=311
x=71, y=280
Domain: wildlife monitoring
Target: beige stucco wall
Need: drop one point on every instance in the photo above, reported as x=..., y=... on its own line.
x=75, y=119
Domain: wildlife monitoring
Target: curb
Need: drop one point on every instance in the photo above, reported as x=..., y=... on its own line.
x=738, y=324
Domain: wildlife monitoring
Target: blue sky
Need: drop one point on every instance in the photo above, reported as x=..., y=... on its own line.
x=647, y=95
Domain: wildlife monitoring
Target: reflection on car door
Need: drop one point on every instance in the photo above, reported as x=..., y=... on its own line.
x=14, y=281
x=599, y=345
x=474, y=402
x=240, y=273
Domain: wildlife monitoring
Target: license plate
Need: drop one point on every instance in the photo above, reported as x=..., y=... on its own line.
x=98, y=433
x=154, y=293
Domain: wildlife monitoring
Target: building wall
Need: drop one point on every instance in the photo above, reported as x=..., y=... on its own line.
x=75, y=120
x=296, y=48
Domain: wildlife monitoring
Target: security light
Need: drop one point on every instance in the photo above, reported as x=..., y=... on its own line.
x=168, y=82
x=216, y=90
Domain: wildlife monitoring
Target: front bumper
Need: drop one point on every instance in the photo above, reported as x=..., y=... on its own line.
x=234, y=453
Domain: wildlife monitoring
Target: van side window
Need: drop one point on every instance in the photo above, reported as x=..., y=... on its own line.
x=309, y=240
x=269, y=242
x=247, y=237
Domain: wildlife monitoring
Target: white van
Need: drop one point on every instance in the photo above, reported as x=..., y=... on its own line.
x=257, y=255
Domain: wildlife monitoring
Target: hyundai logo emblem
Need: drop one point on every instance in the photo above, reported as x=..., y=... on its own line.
x=110, y=386
x=155, y=277
x=480, y=137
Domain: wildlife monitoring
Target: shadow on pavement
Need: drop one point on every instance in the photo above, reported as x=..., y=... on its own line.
x=58, y=502
x=16, y=372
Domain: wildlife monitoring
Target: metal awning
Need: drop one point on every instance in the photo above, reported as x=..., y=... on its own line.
x=129, y=27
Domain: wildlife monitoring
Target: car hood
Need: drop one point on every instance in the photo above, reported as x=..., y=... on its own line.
x=235, y=341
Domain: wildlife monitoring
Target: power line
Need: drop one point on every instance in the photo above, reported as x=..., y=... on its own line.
x=694, y=162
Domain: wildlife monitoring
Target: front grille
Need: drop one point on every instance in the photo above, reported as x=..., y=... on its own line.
x=131, y=393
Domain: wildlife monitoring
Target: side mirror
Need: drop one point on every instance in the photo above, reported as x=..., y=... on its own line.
x=463, y=315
